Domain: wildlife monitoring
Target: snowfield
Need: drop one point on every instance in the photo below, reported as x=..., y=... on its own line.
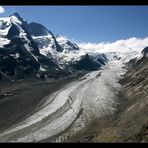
x=75, y=106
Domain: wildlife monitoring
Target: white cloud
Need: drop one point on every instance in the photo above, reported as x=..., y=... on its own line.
x=126, y=45
x=2, y=10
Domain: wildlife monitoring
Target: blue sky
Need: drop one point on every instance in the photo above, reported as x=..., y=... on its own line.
x=88, y=23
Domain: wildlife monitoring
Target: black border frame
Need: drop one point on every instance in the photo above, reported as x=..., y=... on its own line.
x=74, y=2
x=77, y=3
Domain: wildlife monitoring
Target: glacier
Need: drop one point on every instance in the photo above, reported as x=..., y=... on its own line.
x=94, y=93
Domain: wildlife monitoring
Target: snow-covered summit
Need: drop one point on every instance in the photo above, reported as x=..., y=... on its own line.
x=32, y=48
x=66, y=43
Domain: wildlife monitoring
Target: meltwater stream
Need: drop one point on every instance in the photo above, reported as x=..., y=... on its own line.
x=70, y=109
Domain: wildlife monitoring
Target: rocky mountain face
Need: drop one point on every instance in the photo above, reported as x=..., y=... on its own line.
x=32, y=50
x=39, y=30
x=136, y=63
x=133, y=122
x=90, y=63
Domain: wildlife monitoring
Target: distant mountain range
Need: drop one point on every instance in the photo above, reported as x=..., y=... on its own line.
x=31, y=50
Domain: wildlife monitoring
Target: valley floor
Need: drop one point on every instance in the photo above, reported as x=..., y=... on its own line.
x=91, y=108
x=20, y=99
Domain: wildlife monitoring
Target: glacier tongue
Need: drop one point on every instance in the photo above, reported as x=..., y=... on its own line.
x=75, y=106
x=98, y=96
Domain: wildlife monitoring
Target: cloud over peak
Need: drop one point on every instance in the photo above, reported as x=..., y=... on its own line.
x=123, y=45
x=2, y=10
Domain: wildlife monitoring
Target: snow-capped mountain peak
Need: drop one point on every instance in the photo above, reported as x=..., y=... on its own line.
x=16, y=19
x=66, y=44
x=32, y=48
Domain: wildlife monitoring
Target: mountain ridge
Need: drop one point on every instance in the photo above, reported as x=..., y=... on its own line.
x=32, y=48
